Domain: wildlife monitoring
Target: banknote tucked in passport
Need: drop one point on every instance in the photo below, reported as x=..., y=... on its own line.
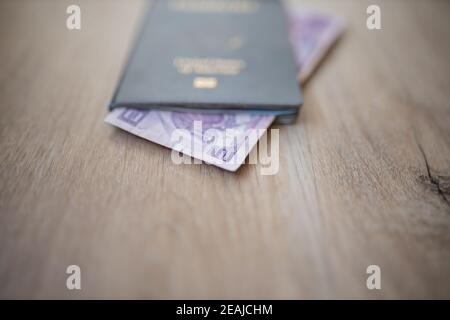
x=311, y=34
x=219, y=55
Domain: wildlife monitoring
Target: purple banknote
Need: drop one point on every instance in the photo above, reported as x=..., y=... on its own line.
x=225, y=140
x=312, y=35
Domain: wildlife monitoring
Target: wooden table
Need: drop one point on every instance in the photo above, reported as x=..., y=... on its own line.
x=363, y=180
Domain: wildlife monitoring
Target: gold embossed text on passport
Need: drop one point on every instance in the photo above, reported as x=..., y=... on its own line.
x=215, y=6
x=205, y=66
x=205, y=82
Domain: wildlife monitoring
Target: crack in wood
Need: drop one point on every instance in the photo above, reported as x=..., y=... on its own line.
x=438, y=183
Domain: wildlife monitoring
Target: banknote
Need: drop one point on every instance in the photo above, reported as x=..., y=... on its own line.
x=225, y=140
x=312, y=35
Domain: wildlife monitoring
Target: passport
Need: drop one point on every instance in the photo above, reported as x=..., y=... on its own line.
x=214, y=55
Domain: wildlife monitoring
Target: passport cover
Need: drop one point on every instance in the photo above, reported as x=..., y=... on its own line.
x=212, y=54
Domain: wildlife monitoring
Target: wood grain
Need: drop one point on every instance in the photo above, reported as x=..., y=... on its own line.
x=364, y=173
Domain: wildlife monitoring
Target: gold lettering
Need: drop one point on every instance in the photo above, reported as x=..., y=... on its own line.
x=205, y=83
x=204, y=66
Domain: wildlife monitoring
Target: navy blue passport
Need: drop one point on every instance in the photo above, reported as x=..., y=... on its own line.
x=212, y=54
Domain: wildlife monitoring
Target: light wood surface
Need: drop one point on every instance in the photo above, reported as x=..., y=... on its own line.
x=364, y=173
